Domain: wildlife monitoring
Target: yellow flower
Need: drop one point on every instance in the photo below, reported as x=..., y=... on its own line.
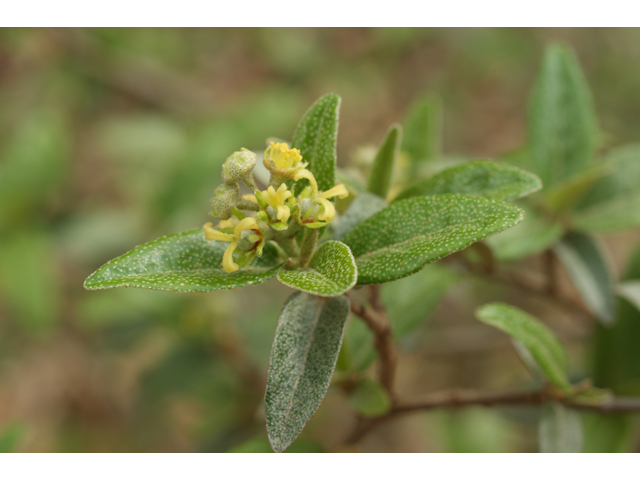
x=275, y=199
x=247, y=236
x=309, y=212
x=283, y=161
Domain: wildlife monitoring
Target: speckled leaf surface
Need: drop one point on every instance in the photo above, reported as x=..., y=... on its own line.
x=303, y=356
x=562, y=125
x=411, y=233
x=382, y=169
x=560, y=429
x=316, y=137
x=331, y=272
x=365, y=205
x=481, y=178
x=585, y=262
x=533, y=335
x=183, y=262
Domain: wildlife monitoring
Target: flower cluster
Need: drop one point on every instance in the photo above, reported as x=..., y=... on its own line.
x=276, y=214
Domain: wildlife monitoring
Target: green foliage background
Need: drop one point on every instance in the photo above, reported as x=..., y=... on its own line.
x=112, y=138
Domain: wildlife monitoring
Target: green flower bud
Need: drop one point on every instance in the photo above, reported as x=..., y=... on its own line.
x=238, y=168
x=225, y=198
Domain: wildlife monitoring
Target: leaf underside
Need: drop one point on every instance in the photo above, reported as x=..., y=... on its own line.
x=183, y=262
x=331, y=272
x=409, y=234
x=303, y=357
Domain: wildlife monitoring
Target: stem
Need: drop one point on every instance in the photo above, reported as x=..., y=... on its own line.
x=308, y=246
x=378, y=323
x=463, y=398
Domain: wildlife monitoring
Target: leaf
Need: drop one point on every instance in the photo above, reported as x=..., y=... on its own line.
x=423, y=131
x=331, y=272
x=584, y=261
x=411, y=233
x=535, y=234
x=183, y=262
x=369, y=398
x=481, y=178
x=358, y=346
x=562, y=123
x=316, y=137
x=543, y=345
x=613, y=204
x=11, y=436
x=567, y=193
x=380, y=177
x=410, y=300
x=365, y=205
x=303, y=357
x=630, y=291
x=608, y=433
x=560, y=429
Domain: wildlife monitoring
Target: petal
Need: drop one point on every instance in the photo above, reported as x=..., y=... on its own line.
x=228, y=264
x=329, y=210
x=211, y=234
x=304, y=173
x=245, y=224
x=339, y=190
x=283, y=213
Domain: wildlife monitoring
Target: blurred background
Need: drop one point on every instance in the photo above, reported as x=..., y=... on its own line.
x=112, y=138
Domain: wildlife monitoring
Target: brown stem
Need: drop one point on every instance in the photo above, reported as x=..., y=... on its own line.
x=462, y=398
x=377, y=321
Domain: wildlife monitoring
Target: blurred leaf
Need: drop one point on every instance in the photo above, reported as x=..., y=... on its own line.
x=543, y=345
x=10, y=437
x=33, y=163
x=29, y=280
x=365, y=205
x=260, y=444
x=410, y=300
x=608, y=433
x=630, y=291
x=183, y=262
x=473, y=430
x=303, y=357
x=533, y=235
x=482, y=178
x=409, y=234
x=560, y=429
x=316, y=137
x=423, y=131
x=585, y=263
x=331, y=272
x=613, y=203
x=567, y=193
x=358, y=346
x=562, y=125
x=380, y=177
x=369, y=398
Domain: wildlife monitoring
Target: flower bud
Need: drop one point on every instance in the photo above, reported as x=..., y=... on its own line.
x=238, y=168
x=225, y=198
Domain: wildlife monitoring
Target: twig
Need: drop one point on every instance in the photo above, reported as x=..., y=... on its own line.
x=463, y=398
x=377, y=321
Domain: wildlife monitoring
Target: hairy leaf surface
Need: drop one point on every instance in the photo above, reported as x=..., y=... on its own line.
x=183, y=262
x=365, y=205
x=560, y=429
x=409, y=234
x=303, y=356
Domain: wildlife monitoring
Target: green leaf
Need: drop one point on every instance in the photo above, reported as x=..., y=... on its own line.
x=423, y=131
x=331, y=272
x=562, y=122
x=481, y=178
x=613, y=204
x=535, y=234
x=380, y=177
x=365, y=205
x=369, y=398
x=316, y=137
x=183, y=262
x=10, y=437
x=584, y=261
x=543, y=345
x=630, y=291
x=560, y=429
x=410, y=300
x=567, y=193
x=411, y=233
x=608, y=433
x=358, y=346
x=303, y=357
